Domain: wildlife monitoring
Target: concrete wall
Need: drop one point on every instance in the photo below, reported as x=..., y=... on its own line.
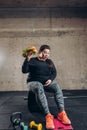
x=43, y=3
x=65, y=30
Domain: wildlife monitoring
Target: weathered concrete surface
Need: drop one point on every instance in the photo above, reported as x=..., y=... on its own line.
x=67, y=37
x=43, y=3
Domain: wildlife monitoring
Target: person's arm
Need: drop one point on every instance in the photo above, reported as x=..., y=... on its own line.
x=53, y=73
x=25, y=66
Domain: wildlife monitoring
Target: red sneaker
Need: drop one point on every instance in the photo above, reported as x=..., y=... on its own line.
x=49, y=121
x=64, y=118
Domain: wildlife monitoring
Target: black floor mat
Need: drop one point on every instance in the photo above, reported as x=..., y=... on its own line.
x=75, y=105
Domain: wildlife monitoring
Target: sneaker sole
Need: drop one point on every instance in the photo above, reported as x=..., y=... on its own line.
x=50, y=128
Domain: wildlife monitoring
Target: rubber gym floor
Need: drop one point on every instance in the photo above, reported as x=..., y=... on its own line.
x=75, y=105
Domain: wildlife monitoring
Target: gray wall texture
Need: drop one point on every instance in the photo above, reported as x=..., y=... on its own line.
x=64, y=29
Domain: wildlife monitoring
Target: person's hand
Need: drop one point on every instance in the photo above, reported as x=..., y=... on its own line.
x=29, y=54
x=48, y=82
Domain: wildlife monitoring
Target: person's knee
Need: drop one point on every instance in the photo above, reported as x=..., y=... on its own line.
x=38, y=87
x=56, y=87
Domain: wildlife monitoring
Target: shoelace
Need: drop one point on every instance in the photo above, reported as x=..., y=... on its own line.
x=50, y=117
x=63, y=115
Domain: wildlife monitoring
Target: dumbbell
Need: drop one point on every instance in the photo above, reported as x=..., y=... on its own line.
x=34, y=125
x=23, y=126
x=16, y=118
